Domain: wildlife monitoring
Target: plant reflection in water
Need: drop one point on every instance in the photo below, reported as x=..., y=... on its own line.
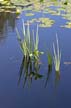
x=30, y=70
x=49, y=72
x=57, y=78
x=48, y=75
x=49, y=67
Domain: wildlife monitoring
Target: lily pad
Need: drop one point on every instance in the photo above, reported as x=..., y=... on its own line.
x=28, y=8
x=66, y=16
x=46, y=22
x=68, y=25
x=44, y=26
x=29, y=14
x=42, y=22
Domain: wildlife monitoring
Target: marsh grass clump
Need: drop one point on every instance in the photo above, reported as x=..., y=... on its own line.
x=25, y=44
x=29, y=45
x=57, y=55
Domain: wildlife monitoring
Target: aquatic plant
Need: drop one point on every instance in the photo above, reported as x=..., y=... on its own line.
x=42, y=21
x=67, y=25
x=57, y=55
x=67, y=16
x=45, y=22
x=25, y=44
x=29, y=14
x=66, y=2
x=41, y=1
x=28, y=45
x=5, y=2
x=49, y=59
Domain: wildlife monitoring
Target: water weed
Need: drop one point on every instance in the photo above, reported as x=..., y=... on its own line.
x=29, y=45
x=57, y=55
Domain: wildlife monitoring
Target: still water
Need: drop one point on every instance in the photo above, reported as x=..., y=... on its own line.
x=49, y=91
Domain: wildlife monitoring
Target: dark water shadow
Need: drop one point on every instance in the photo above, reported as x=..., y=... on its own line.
x=7, y=22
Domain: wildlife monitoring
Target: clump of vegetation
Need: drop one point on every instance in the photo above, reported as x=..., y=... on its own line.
x=67, y=25
x=8, y=7
x=42, y=22
x=45, y=22
x=67, y=16
x=66, y=2
x=28, y=46
x=52, y=12
x=41, y=1
x=57, y=55
x=29, y=14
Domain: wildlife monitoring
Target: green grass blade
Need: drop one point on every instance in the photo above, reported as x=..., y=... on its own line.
x=49, y=58
x=37, y=39
x=23, y=28
x=57, y=55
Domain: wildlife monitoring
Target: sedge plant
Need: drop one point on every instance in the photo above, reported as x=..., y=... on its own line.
x=28, y=45
x=57, y=55
x=25, y=43
x=36, y=52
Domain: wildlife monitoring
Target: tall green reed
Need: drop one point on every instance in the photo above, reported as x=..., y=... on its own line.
x=25, y=43
x=29, y=44
x=57, y=55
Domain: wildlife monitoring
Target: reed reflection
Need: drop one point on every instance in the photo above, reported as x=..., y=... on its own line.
x=48, y=75
x=29, y=70
x=57, y=78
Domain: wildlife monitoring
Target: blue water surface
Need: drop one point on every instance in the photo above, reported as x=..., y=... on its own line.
x=57, y=93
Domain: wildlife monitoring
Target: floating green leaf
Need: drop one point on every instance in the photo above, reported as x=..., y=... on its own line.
x=67, y=25
x=29, y=14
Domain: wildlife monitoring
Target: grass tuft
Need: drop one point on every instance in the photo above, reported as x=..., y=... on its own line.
x=57, y=55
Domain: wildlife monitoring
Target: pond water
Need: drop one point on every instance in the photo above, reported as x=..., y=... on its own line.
x=51, y=90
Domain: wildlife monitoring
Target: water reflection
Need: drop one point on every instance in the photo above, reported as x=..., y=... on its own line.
x=7, y=20
x=29, y=70
x=48, y=74
x=57, y=78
